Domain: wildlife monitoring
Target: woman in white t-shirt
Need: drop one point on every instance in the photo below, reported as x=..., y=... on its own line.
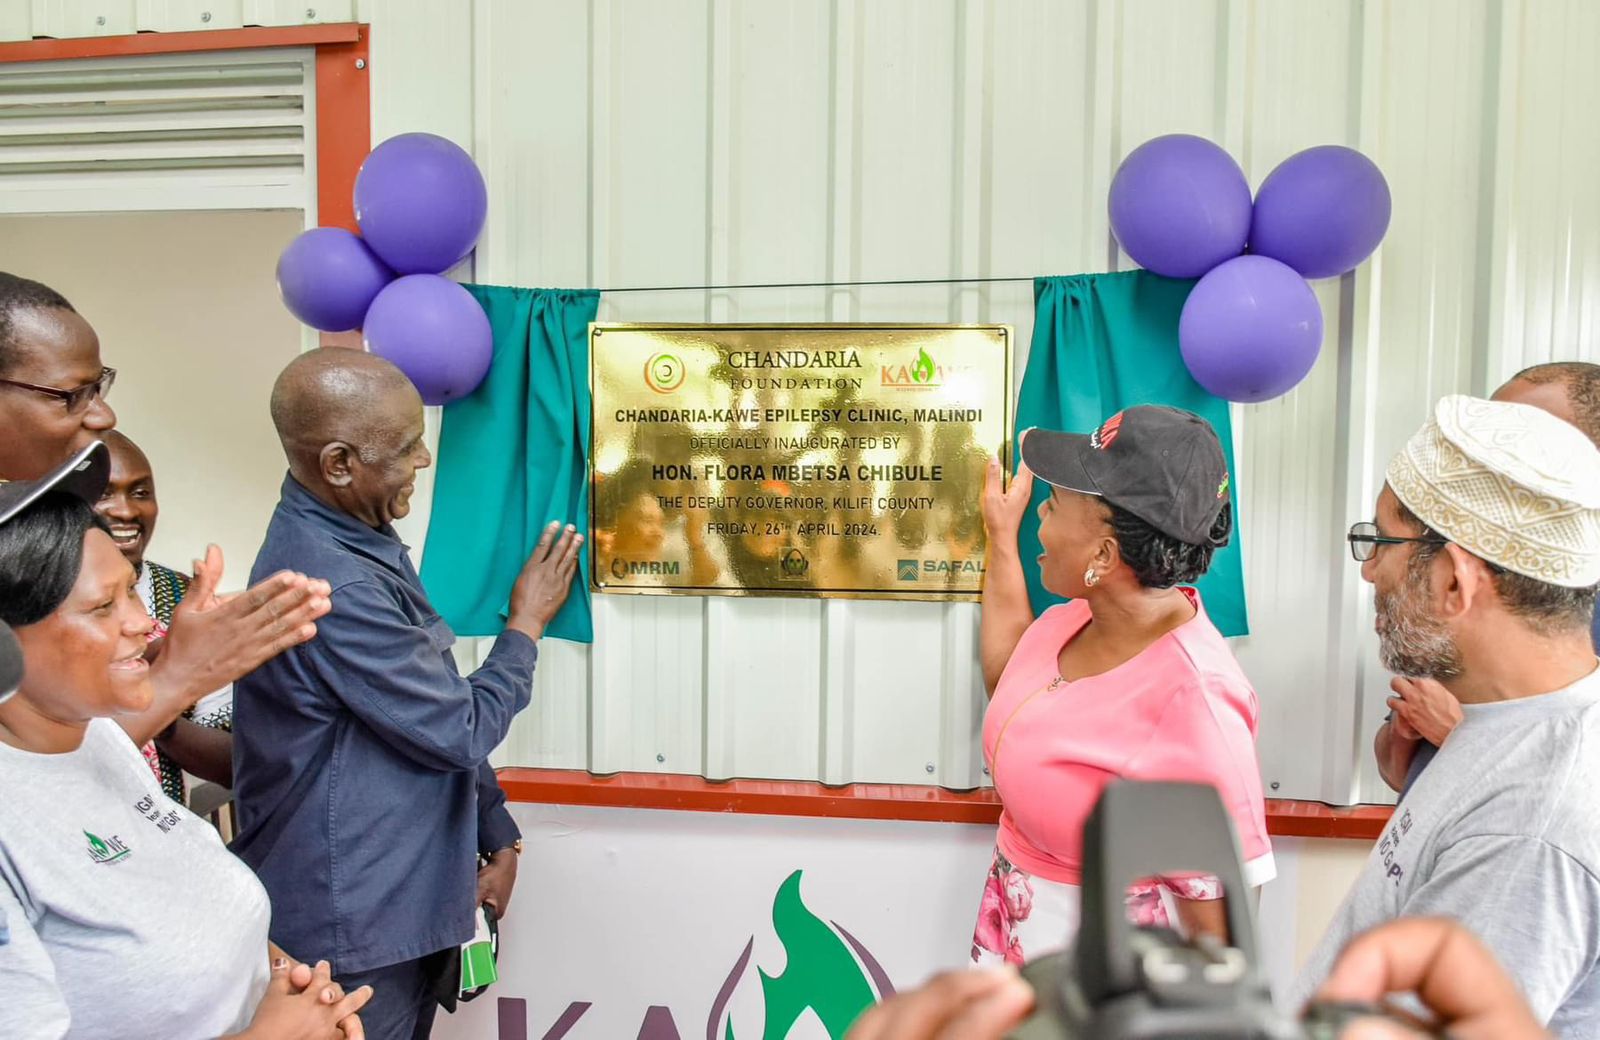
x=126, y=915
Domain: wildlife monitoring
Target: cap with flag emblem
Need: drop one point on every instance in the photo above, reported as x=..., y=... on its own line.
x=1163, y=465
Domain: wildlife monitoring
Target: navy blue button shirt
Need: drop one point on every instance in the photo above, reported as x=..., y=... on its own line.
x=360, y=758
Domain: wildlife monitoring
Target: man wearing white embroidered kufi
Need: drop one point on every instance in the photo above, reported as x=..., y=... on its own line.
x=1484, y=554
x=1423, y=712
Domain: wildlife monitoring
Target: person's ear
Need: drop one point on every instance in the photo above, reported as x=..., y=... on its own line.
x=1459, y=579
x=337, y=463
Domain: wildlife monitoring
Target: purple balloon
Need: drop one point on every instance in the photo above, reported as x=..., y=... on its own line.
x=1322, y=211
x=421, y=203
x=328, y=277
x=435, y=332
x=1250, y=330
x=1180, y=206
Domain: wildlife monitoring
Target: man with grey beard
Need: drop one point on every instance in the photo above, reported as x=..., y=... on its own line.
x=1423, y=712
x=1484, y=556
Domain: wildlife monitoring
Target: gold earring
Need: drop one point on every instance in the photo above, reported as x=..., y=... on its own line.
x=1090, y=578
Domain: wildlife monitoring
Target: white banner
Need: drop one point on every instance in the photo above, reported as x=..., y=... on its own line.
x=654, y=924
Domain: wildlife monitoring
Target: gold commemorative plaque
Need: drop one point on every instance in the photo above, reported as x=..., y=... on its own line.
x=825, y=460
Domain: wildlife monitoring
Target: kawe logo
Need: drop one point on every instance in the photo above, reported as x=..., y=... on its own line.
x=828, y=972
x=922, y=374
x=828, y=977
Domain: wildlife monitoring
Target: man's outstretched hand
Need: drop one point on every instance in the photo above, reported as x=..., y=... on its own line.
x=215, y=640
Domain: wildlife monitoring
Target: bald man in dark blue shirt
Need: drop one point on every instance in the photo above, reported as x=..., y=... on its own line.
x=361, y=759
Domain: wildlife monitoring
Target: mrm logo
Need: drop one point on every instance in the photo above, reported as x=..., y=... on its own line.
x=622, y=569
x=828, y=980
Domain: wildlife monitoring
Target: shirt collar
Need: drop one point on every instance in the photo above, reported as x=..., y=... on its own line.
x=381, y=542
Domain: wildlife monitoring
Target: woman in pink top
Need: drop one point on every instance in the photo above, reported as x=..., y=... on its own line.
x=1128, y=680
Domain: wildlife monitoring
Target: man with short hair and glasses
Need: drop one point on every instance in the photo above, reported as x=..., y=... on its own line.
x=1422, y=712
x=1484, y=558
x=53, y=387
x=52, y=384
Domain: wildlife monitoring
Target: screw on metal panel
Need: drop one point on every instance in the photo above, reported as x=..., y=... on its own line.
x=205, y=16
x=100, y=19
x=930, y=767
x=1274, y=785
x=361, y=63
x=311, y=12
x=661, y=758
x=985, y=770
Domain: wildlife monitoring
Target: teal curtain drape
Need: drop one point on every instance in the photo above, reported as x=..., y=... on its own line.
x=513, y=456
x=1102, y=343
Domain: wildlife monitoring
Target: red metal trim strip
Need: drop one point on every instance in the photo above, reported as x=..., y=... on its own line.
x=861, y=801
x=181, y=42
x=344, y=126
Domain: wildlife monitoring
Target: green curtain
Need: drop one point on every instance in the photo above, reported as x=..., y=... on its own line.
x=513, y=456
x=1102, y=343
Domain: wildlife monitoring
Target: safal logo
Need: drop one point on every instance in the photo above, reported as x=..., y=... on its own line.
x=828, y=976
x=949, y=567
x=663, y=373
x=907, y=570
x=104, y=851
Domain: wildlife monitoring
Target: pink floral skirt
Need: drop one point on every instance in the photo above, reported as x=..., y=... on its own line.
x=1022, y=917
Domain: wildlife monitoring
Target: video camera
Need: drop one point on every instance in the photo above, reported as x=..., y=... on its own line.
x=1119, y=981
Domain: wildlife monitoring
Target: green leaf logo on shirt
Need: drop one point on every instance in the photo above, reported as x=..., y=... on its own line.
x=103, y=851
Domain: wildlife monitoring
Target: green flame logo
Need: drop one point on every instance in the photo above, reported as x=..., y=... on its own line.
x=98, y=847
x=924, y=369
x=821, y=975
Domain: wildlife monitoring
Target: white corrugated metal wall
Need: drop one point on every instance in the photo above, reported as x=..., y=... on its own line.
x=713, y=141
x=61, y=19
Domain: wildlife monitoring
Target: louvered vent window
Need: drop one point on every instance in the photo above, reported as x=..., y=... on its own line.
x=230, y=130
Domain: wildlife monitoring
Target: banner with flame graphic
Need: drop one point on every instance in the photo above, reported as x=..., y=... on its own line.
x=670, y=925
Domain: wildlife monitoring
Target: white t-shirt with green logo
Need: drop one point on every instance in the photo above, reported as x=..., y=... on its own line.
x=128, y=916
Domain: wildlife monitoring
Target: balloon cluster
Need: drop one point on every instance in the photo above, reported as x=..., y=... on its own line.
x=1251, y=328
x=420, y=203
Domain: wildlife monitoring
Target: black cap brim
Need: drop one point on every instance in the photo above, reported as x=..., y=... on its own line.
x=10, y=662
x=1057, y=459
x=84, y=475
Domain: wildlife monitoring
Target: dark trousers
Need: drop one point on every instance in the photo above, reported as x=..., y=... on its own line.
x=404, y=997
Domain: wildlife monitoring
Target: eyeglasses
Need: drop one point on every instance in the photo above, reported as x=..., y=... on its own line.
x=78, y=398
x=1364, y=541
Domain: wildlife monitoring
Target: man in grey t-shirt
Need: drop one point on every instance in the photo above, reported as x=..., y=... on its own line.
x=1484, y=557
x=1424, y=713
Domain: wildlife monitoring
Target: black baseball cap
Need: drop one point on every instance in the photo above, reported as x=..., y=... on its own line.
x=84, y=475
x=1163, y=465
